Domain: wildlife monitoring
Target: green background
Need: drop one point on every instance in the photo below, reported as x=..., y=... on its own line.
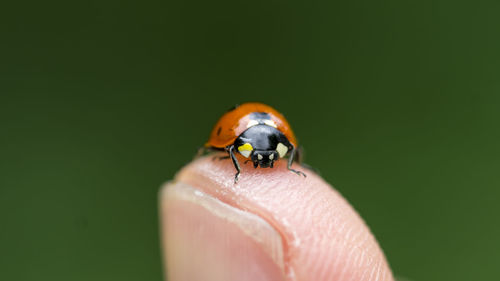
x=395, y=102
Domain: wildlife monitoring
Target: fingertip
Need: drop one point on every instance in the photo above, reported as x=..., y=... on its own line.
x=323, y=237
x=206, y=239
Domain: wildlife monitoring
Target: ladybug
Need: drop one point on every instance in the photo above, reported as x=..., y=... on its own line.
x=257, y=132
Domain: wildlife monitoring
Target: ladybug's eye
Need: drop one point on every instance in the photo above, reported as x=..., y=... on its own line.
x=282, y=149
x=245, y=149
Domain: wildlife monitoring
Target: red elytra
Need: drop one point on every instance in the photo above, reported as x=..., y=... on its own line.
x=234, y=122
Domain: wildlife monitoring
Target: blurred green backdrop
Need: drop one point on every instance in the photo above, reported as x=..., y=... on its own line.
x=395, y=102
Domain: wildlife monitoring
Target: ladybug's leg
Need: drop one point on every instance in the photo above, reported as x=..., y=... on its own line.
x=235, y=162
x=298, y=154
x=290, y=161
x=204, y=150
x=220, y=157
x=201, y=151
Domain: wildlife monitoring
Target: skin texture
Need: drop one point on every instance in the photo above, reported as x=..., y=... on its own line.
x=271, y=225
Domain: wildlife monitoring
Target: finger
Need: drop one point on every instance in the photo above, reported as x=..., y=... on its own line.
x=271, y=225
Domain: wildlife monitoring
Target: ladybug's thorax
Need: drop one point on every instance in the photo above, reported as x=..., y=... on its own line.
x=263, y=144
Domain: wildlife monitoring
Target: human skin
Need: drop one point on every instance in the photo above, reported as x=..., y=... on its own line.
x=271, y=225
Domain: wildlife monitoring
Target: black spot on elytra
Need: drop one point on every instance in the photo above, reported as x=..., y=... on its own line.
x=218, y=130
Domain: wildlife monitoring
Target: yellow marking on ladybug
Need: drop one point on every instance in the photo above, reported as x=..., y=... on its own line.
x=282, y=149
x=271, y=123
x=245, y=149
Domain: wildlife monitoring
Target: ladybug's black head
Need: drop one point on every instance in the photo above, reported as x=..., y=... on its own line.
x=263, y=145
x=264, y=158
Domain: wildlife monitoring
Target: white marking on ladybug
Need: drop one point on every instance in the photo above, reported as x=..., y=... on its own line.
x=252, y=123
x=271, y=157
x=259, y=157
x=270, y=122
x=282, y=149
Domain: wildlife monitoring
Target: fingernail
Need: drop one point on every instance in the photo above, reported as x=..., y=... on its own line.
x=207, y=239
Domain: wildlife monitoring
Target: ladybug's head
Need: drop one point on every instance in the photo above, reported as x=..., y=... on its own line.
x=263, y=145
x=264, y=158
